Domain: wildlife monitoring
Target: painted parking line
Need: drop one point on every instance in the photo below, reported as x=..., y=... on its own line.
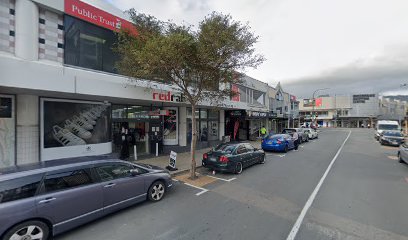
x=203, y=190
x=222, y=179
x=393, y=157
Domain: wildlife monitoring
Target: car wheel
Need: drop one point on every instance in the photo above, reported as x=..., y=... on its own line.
x=156, y=191
x=381, y=142
x=286, y=149
x=238, y=168
x=307, y=139
x=262, y=161
x=400, y=158
x=317, y=136
x=28, y=230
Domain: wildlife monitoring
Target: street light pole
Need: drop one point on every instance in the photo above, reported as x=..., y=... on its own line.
x=314, y=103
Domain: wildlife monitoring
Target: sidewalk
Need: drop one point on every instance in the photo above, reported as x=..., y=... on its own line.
x=183, y=162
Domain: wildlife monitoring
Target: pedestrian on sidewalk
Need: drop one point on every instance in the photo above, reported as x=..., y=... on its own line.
x=124, y=151
x=263, y=131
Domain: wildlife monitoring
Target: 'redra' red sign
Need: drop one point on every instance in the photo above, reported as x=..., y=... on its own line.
x=96, y=16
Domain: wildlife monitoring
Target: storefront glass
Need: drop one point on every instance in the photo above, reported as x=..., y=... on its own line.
x=7, y=131
x=170, y=131
x=207, y=125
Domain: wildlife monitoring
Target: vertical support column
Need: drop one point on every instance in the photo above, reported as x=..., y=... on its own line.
x=27, y=129
x=183, y=126
x=222, y=124
x=27, y=28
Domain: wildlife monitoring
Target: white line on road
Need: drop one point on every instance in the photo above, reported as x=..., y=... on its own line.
x=203, y=190
x=281, y=155
x=222, y=179
x=309, y=202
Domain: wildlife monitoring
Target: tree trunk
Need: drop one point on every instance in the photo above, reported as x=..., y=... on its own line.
x=193, y=142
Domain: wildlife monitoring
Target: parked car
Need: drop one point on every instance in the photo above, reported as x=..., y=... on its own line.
x=278, y=142
x=385, y=125
x=232, y=157
x=41, y=200
x=403, y=153
x=311, y=133
x=393, y=138
x=303, y=137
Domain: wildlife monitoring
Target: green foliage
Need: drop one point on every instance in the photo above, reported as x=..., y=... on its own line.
x=203, y=63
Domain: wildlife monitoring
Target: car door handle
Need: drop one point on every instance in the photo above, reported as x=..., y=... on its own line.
x=109, y=185
x=47, y=200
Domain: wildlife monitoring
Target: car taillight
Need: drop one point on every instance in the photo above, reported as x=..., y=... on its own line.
x=224, y=159
x=279, y=141
x=205, y=156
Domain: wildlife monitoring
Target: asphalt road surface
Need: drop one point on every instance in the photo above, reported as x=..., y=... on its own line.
x=363, y=195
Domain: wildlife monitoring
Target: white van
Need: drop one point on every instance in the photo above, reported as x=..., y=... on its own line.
x=386, y=125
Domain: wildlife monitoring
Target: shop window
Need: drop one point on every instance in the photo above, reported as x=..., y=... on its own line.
x=197, y=113
x=203, y=113
x=138, y=112
x=213, y=114
x=89, y=46
x=203, y=131
x=119, y=111
x=213, y=130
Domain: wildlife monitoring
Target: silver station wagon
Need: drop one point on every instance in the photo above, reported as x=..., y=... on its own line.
x=42, y=200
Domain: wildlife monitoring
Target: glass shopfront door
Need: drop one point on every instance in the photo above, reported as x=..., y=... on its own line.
x=170, y=127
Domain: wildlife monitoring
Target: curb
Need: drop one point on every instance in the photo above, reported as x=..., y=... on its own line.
x=180, y=172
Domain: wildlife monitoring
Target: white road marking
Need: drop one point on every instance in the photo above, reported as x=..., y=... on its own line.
x=222, y=179
x=301, y=146
x=175, y=180
x=309, y=202
x=203, y=190
x=282, y=155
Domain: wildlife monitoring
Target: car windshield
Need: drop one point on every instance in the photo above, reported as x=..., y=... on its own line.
x=288, y=130
x=225, y=148
x=387, y=127
x=393, y=134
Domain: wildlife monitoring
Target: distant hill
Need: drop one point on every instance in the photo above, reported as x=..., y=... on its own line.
x=398, y=97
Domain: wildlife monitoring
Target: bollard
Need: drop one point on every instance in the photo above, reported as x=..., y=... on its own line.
x=135, y=151
x=157, y=149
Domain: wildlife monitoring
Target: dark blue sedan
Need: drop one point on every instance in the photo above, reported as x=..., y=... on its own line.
x=278, y=142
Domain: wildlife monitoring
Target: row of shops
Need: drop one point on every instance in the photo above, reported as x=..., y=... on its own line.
x=72, y=127
x=61, y=95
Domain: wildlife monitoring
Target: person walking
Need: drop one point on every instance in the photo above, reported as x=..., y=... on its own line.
x=124, y=151
x=296, y=138
x=263, y=131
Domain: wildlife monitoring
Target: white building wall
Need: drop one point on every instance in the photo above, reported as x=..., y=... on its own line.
x=27, y=129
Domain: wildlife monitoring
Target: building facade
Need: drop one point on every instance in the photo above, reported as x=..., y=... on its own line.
x=61, y=95
x=359, y=110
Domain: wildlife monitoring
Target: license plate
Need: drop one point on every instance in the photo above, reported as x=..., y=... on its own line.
x=270, y=142
x=213, y=159
x=394, y=142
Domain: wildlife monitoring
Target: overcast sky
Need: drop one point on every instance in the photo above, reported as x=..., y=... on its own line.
x=351, y=46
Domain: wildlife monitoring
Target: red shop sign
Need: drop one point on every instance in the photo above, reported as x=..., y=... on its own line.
x=96, y=16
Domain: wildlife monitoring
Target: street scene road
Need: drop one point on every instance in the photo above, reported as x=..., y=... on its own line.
x=363, y=197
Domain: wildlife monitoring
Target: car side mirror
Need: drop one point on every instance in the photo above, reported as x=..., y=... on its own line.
x=134, y=172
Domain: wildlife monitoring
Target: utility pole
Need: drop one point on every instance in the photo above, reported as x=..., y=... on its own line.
x=314, y=104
